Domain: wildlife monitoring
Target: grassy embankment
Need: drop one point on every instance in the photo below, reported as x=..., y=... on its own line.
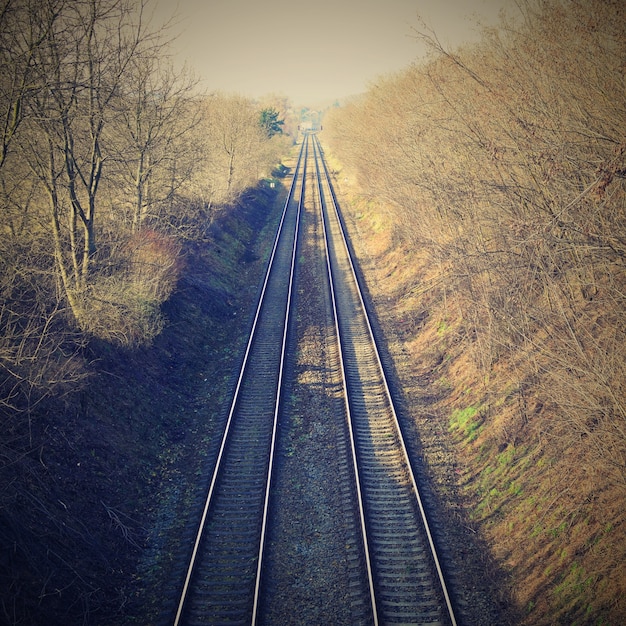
x=551, y=522
x=495, y=179
x=94, y=513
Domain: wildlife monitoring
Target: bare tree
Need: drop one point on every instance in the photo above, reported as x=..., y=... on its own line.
x=234, y=145
x=80, y=66
x=39, y=355
x=153, y=132
x=20, y=36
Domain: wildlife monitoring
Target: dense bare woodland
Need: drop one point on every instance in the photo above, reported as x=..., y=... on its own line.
x=109, y=160
x=501, y=170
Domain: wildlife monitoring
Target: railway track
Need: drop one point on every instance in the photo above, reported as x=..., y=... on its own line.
x=392, y=570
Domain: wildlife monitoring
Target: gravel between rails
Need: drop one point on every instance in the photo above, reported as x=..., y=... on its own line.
x=312, y=557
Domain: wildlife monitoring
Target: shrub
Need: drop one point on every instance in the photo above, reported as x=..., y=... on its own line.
x=123, y=306
x=154, y=264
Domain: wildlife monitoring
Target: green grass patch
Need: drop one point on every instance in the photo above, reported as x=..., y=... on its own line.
x=558, y=530
x=575, y=583
x=515, y=489
x=442, y=327
x=506, y=457
x=466, y=422
x=489, y=504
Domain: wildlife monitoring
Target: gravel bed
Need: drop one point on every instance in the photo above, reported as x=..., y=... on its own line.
x=311, y=563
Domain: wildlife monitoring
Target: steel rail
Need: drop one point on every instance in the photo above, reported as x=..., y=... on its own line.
x=279, y=388
x=389, y=399
x=359, y=494
x=300, y=168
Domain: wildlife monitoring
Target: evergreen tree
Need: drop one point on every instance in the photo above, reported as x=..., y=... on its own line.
x=270, y=123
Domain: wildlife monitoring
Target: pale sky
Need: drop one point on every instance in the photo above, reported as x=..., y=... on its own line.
x=313, y=51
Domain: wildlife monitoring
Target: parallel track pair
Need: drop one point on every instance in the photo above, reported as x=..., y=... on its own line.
x=224, y=581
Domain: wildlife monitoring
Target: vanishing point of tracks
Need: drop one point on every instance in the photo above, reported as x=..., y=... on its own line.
x=393, y=574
